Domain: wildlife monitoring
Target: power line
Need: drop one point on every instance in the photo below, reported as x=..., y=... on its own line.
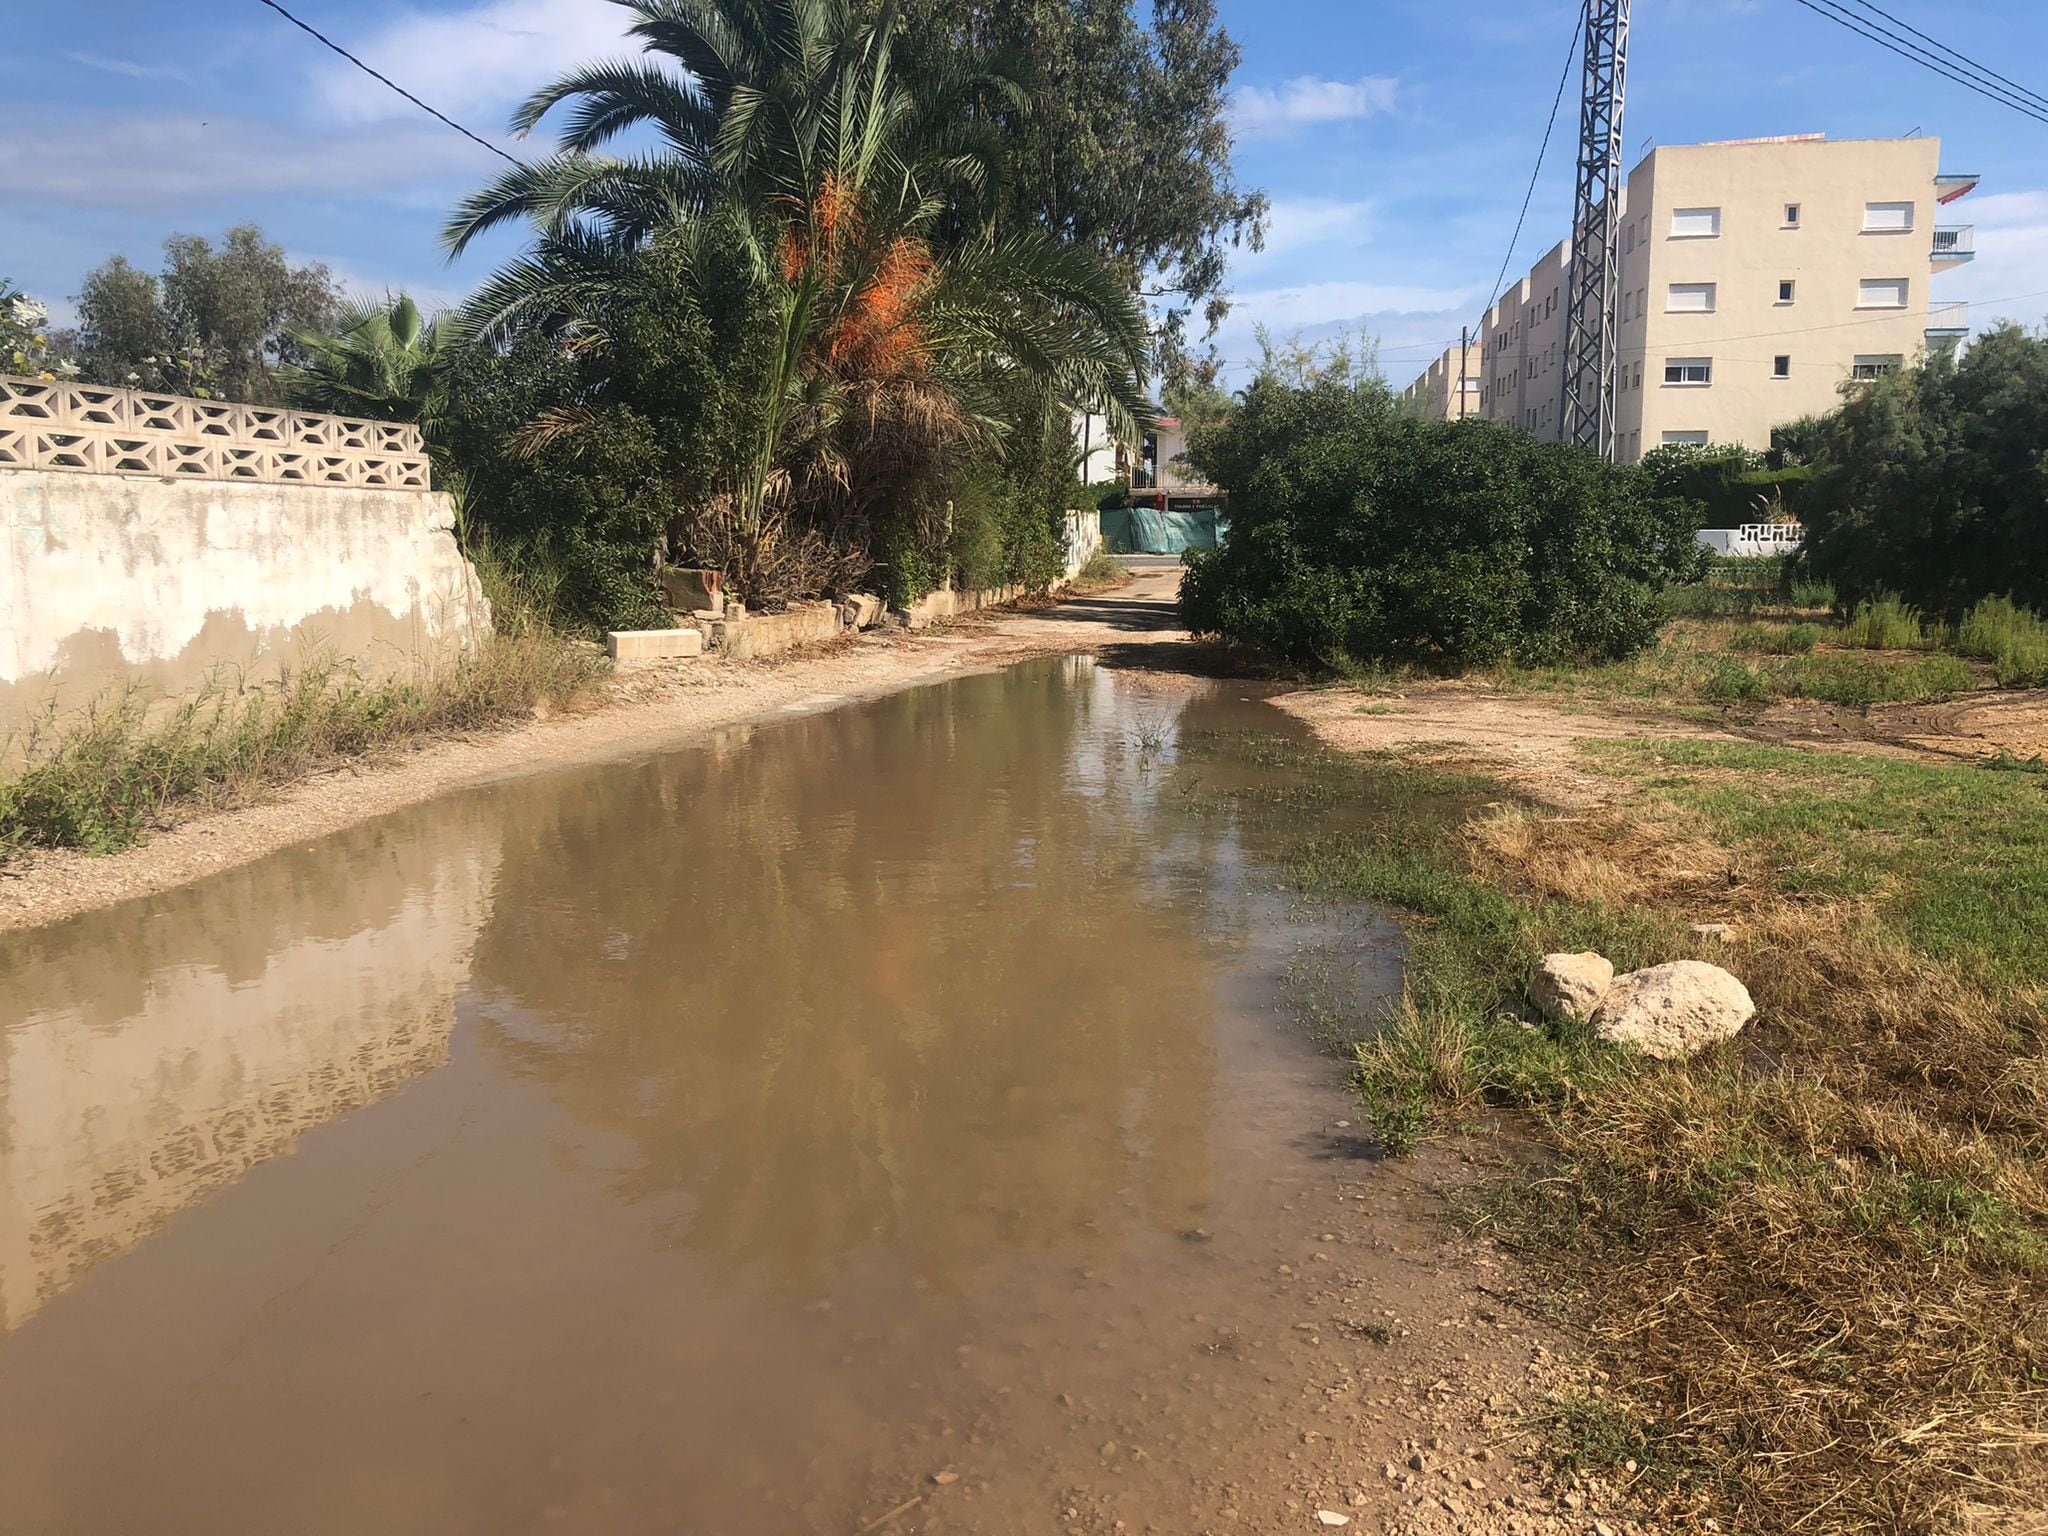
x=1913, y=53
x=1962, y=58
x=1542, y=149
x=393, y=84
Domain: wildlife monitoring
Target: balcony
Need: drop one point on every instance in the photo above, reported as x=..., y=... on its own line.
x=1948, y=325
x=1955, y=242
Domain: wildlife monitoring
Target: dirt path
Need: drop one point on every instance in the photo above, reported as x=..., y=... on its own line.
x=1530, y=743
x=647, y=709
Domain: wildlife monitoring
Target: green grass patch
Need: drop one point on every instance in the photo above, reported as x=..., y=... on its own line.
x=1957, y=858
x=1804, y=1256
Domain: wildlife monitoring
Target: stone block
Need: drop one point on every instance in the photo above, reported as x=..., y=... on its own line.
x=860, y=610
x=653, y=644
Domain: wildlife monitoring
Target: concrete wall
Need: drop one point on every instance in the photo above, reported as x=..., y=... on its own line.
x=110, y=580
x=1083, y=538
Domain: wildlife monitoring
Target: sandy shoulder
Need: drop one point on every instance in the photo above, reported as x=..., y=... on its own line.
x=1530, y=743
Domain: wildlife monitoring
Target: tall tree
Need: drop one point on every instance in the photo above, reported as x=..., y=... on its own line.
x=219, y=321
x=1120, y=138
x=859, y=193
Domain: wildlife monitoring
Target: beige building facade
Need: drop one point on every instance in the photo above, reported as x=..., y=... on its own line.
x=1449, y=387
x=1757, y=277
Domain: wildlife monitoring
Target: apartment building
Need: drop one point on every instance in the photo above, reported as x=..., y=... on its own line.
x=1449, y=387
x=1756, y=277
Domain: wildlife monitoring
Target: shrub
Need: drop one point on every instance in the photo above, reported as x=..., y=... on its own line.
x=1362, y=534
x=1930, y=482
x=1731, y=485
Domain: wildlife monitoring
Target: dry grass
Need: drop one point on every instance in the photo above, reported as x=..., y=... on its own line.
x=100, y=779
x=1817, y=1259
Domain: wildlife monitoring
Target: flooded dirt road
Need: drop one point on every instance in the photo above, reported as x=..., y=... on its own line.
x=881, y=1118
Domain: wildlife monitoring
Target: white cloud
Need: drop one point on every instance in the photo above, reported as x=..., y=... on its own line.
x=2009, y=278
x=1296, y=223
x=480, y=61
x=186, y=163
x=2000, y=210
x=128, y=67
x=1258, y=111
x=1341, y=301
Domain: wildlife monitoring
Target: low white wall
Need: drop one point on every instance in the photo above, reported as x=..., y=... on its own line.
x=1084, y=537
x=110, y=580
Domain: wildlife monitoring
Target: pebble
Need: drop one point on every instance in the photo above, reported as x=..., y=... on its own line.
x=1331, y=1517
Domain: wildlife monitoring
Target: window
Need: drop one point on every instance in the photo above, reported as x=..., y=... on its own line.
x=1874, y=365
x=1685, y=439
x=1881, y=293
x=1695, y=223
x=1791, y=215
x=1887, y=218
x=1785, y=288
x=1629, y=243
x=1694, y=298
x=1781, y=366
x=1639, y=374
x=1628, y=305
x=1688, y=370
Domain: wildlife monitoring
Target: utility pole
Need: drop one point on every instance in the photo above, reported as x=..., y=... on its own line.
x=1587, y=411
x=1464, y=356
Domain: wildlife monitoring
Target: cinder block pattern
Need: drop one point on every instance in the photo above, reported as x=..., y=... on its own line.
x=653, y=644
x=89, y=429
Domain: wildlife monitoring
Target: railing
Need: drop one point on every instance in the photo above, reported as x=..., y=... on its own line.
x=87, y=429
x=1955, y=242
x=1948, y=317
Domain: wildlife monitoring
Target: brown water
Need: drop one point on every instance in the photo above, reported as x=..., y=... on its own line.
x=725, y=1141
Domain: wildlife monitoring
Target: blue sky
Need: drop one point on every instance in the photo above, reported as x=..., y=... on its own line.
x=1395, y=137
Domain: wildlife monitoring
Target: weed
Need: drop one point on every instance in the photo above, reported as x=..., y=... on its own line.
x=98, y=781
x=1101, y=571
x=2013, y=639
x=1775, y=639
x=1813, y=594
x=1886, y=624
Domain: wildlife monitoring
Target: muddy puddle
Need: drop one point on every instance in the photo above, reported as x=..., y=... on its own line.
x=888, y=1118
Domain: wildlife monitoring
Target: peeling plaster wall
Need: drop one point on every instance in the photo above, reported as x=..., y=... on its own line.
x=110, y=580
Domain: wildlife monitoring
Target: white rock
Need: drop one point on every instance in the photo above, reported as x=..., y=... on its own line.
x=1673, y=1011
x=1331, y=1517
x=1725, y=932
x=1570, y=986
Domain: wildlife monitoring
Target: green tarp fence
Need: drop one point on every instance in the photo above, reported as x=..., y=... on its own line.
x=1148, y=531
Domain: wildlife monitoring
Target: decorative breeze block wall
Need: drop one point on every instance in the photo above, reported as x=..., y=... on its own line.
x=93, y=430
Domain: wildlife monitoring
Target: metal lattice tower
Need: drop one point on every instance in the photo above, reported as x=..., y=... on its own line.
x=1587, y=415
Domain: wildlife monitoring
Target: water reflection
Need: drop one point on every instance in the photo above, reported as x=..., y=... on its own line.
x=780, y=1115
x=908, y=976
x=151, y=1054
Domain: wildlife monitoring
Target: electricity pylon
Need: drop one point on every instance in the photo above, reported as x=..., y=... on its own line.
x=1590, y=327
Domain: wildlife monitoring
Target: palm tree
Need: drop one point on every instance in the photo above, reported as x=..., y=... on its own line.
x=380, y=360
x=861, y=202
